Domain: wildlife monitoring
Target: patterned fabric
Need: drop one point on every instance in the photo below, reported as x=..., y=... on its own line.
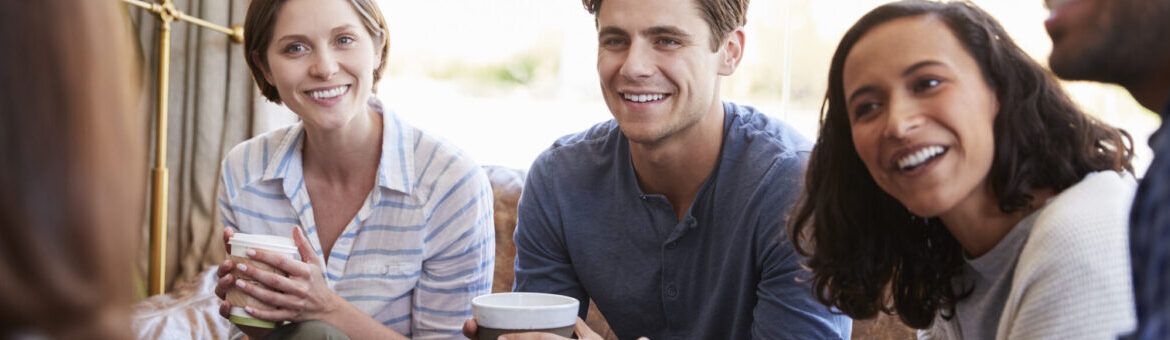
x=421, y=246
x=1150, y=239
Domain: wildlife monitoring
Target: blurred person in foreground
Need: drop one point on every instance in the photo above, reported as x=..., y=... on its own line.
x=955, y=185
x=1127, y=42
x=71, y=183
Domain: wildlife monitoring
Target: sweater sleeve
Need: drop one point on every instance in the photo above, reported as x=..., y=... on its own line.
x=1073, y=278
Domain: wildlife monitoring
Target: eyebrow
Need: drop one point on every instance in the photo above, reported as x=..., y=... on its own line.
x=610, y=30
x=652, y=31
x=304, y=37
x=665, y=30
x=905, y=73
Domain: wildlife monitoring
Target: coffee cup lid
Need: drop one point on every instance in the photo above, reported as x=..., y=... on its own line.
x=272, y=243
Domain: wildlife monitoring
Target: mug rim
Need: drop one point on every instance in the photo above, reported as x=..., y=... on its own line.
x=566, y=301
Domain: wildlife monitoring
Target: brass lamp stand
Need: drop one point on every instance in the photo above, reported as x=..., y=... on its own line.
x=167, y=13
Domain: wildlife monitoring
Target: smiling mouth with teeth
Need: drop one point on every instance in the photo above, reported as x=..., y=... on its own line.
x=329, y=93
x=920, y=157
x=644, y=98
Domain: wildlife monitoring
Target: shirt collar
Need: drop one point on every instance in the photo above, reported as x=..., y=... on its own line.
x=395, y=169
x=628, y=176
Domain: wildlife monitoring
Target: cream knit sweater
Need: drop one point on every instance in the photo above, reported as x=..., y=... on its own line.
x=1072, y=280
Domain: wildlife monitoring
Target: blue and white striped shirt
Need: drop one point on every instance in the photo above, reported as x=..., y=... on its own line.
x=422, y=245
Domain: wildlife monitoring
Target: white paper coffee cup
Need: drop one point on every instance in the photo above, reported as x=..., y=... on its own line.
x=240, y=244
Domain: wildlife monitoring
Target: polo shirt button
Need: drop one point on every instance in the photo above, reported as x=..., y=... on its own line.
x=671, y=291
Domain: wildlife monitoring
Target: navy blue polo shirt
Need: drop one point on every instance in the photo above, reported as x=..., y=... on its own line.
x=1150, y=240
x=724, y=271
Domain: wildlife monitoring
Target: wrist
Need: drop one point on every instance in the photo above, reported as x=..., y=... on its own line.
x=334, y=310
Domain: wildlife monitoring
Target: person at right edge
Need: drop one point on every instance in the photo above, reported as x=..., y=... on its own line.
x=1125, y=42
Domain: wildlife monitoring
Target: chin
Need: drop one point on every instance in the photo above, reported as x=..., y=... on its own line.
x=641, y=134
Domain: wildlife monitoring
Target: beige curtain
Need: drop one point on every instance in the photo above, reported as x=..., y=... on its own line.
x=210, y=110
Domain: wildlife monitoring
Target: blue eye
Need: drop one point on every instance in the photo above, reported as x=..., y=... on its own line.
x=295, y=48
x=346, y=40
x=668, y=42
x=613, y=42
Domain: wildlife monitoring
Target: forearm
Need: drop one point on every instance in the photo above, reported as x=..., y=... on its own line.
x=357, y=325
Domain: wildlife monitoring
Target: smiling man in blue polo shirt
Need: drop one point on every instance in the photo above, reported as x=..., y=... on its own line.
x=671, y=216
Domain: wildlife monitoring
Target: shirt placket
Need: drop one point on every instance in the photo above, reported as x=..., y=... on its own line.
x=343, y=250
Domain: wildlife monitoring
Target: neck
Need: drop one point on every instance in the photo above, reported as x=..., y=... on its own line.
x=1153, y=92
x=677, y=166
x=979, y=225
x=347, y=154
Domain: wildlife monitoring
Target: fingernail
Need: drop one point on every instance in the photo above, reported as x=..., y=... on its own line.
x=240, y=283
x=250, y=252
x=242, y=267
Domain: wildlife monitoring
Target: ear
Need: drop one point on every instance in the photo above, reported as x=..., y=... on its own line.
x=263, y=67
x=731, y=52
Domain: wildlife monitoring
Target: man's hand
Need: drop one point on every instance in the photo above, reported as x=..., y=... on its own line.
x=470, y=330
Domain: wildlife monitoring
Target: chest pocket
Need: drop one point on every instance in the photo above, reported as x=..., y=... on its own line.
x=394, y=271
x=388, y=275
x=379, y=282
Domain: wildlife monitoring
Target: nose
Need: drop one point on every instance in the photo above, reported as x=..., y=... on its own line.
x=903, y=117
x=639, y=63
x=324, y=65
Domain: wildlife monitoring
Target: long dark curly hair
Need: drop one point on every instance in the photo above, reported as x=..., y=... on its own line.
x=866, y=252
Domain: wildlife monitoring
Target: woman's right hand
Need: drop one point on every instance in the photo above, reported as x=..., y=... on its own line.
x=225, y=279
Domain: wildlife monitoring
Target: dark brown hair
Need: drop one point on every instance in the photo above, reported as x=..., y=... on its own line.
x=261, y=20
x=71, y=139
x=866, y=251
x=722, y=16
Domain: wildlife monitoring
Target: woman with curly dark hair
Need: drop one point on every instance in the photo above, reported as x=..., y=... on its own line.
x=955, y=185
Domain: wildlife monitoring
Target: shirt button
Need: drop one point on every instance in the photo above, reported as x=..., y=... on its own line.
x=671, y=292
